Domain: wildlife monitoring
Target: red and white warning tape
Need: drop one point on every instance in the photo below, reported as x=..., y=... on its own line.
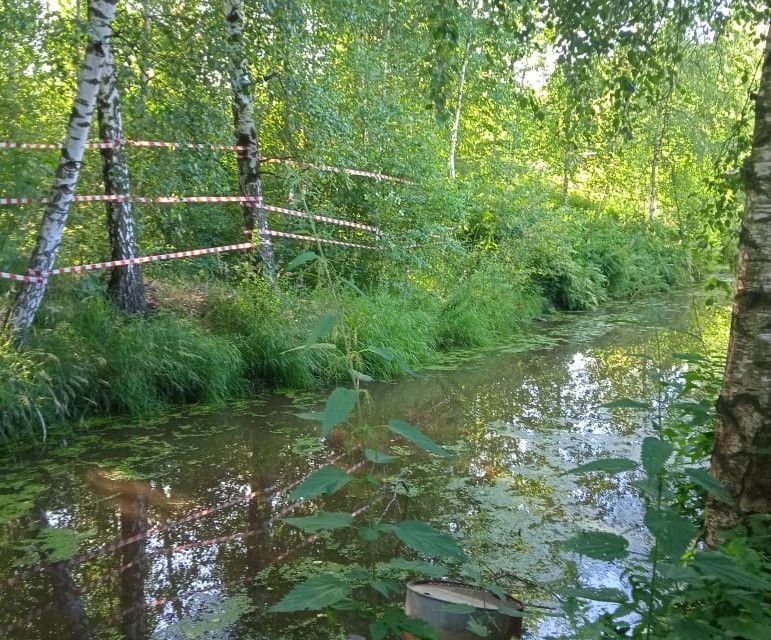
x=157, y=144
x=318, y=218
x=39, y=276
x=330, y=169
x=197, y=200
x=297, y=236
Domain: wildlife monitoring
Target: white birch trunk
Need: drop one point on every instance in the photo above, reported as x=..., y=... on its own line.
x=127, y=287
x=458, y=109
x=742, y=456
x=243, y=116
x=101, y=14
x=653, y=178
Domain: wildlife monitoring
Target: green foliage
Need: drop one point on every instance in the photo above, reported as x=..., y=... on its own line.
x=427, y=541
x=324, y=481
x=681, y=591
x=315, y=593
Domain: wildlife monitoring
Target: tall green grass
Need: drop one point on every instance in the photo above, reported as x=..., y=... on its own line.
x=503, y=260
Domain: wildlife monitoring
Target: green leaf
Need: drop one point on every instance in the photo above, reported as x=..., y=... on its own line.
x=325, y=481
x=378, y=630
x=323, y=520
x=379, y=458
x=322, y=328
x=718, y=566
x=607, y=465
x=600, y=545
x=427, y=540
x=319, y=592
x=413, y=435
x=707, y=481
x=600, y=594
x=303, y=258
x=370, y=533
x=655, y=453
x=59, y=544
x=626, y=403
x=385, y=587
x=672, y=531
x=338, y=407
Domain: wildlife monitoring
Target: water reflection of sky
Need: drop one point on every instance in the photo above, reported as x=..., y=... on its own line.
x=521, y=418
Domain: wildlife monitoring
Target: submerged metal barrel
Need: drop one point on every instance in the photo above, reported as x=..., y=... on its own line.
x=449, y=607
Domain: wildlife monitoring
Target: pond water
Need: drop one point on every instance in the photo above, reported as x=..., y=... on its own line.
x=117, y=506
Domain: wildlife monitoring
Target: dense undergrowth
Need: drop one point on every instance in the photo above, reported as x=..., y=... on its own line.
x=224, y=331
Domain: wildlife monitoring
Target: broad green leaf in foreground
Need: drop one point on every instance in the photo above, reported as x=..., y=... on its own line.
x=323, y=520
x=655, y=453
x=325, y=481
x=338, y=407
x=707, y=481
x=427, y=540
x=600, y=545
x=315, y=593
x=607, y=465
x=713, y=564
x=672, y=531
x=323, y=327
x=417, y=437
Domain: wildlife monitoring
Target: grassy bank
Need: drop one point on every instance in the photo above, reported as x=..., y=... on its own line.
x=221, y=331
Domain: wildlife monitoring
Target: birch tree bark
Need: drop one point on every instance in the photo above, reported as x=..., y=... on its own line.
x=243, y=117
x=741, y=460
x=127, y=287
x=101, y=15
x=458, y=109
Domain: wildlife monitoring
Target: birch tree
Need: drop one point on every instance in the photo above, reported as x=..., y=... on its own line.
x=741, y=460
x=458, y=109
x=101, y=15
x=246, y=135
x=126, y=286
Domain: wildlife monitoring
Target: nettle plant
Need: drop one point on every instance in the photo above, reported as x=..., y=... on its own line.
x=356, y=590
x=679, y=589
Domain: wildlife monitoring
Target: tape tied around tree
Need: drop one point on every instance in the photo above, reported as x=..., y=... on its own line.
x=160, y=144
x=249, y=200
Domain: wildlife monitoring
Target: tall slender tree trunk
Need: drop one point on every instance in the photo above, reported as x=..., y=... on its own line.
x=566, y=162
x=458, y=109
x=243, y=116
x=127, y=287
x=101, y=14
x=741, y=460
x=653, y=177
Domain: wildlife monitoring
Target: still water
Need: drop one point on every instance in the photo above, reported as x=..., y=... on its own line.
x=173, y=528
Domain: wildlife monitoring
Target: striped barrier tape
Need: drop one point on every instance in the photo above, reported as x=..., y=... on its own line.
x=297, y=236
x=331, y=169
x=109, y=197
x=40, y=276
x=158, y=144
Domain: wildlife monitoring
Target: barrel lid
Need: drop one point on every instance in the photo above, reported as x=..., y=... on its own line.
x=454, y=593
